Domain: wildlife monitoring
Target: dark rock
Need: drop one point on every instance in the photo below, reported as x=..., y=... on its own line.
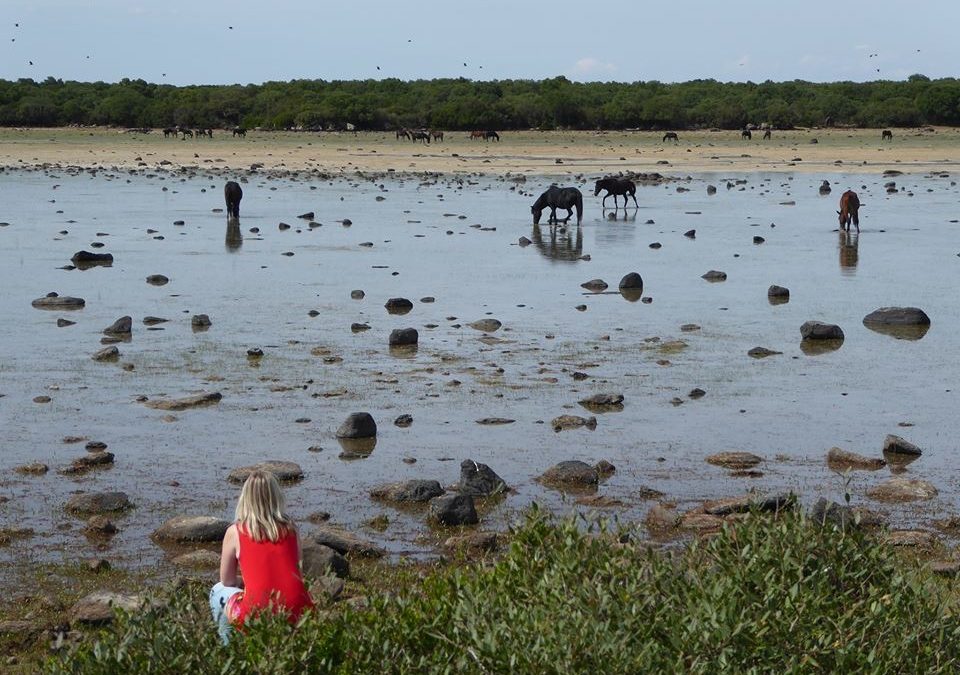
x=358, y=425
x=816, y=330
x=895, y=445
x=286, y=472
x=93, y=503
x=357, y=295
x=200, y=321
x=454, y=509
x=398, y=305
x=524, y=241
x=714, y=275
x=778, y=292
x=571, y=473
x=408, y=491
x=55, y=301
x=87, y=462
x=343, y=542
x=486, y=325
x=63, y=323
x=122, y=326
x=403, y=421
x=600, y=403
x=100, y=526
x=492, y=421
x=696, y=393
x=757, y=239
x=899, y=489
x=573, y=422
x=106, y=354
x=596, y=285
x=186, y=403
x=319, y=560
x=153, y=320
x=842, y=460
x=762, y=352
x=95, y=446
x=404, y=337
x=359, y=327
x=897, y=316
x=32, y=469
x=766, y=503
x=309, y=215
x=831, y=513
x=690, y=234
x=734, y=460
x=158, y=280
x=479, y=480
x=181, y=529
x=87, y=259
x=632, y=282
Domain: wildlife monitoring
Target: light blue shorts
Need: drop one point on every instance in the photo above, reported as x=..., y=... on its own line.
x=219, y=595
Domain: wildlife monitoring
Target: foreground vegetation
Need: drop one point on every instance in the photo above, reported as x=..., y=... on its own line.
x=465, y=104
x=763, y=596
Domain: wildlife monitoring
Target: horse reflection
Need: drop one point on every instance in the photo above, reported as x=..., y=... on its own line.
x=560, y=243
x=234, y=238
x=849, y=251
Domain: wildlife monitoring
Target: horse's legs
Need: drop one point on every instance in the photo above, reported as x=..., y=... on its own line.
x=634, y=195
x=603, y=204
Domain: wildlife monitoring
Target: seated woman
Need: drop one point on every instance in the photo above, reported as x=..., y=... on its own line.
x=264, y=544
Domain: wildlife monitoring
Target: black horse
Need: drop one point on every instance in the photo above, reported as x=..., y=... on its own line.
x=746, y=135
x=420, y=135
x=487, y=135
x=558, y=198
x=239, y=131
x=766, y=135
x=671, y=136
x=616, y=186
x=232, y=194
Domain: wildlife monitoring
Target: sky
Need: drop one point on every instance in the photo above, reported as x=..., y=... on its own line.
x=242, y=41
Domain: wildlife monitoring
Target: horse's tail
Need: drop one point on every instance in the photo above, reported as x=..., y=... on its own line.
x=579, y=206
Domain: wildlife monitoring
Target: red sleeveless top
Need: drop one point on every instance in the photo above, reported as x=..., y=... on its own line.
x=271, y=578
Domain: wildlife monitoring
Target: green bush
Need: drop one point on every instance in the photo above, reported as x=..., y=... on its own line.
x=763, y=596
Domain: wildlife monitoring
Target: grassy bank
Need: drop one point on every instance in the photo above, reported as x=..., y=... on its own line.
x=781, y=596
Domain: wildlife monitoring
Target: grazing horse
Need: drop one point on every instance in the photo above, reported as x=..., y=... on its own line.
x=420, y=135
x=886, y=135
x=232, y=194
x=437, y=135
x=849, y=210
x=616, y=186
x=239, y=131
x=170, y=131
x=746, y=135
x=200, y=132
x=186, y=132
x=487, y=135
x=477, y=134
x=403, y=133
x=766, y=135
x=670, y=136
x=554, y=198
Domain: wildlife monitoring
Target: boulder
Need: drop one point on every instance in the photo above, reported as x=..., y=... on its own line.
x=110, y=353
x=595, y=285
x=895, y=445
x=897, y=316
x=186, y=403
x=573, y=422
x=286, y=472
x=602, y=402
x=343, y=542
x=408, y=491
x=320, y=559
x=158, y=280
x=734, y=460
x=817, y=330
x=181, y=529
x=766, y=503
x=200, y=321
x=403, y=421
x=479, y=480
x=122, y=326
x=571, y=473
x=714, y=275
x=92, y=503
x=841, y=460
x=358, y=425
x=98, y=607
x=830, y=513
x=632, y=282
x=199, y=559
x=398, y=305
x=55, y=301
x=404, y=337
x=88, y=258
x=486, y=325
x=900, y=489
x=778, y=292
x=453, y=509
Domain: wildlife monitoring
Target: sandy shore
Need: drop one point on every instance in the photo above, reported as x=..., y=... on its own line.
x=554, y=153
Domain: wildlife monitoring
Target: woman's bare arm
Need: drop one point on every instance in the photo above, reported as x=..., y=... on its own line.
x=228, y=557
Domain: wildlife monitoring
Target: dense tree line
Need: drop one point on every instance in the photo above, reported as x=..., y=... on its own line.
x=468, y=104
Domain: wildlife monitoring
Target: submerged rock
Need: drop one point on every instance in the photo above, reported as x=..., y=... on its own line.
x=734, y=460
x=286, y=472
x=572, y=473
x=902, y=490
x=573, y=422
x=54, y=301
x=840, y=460
x=897, y=316
x=358, y=425
x=408, y=491
x=92, y=503
x=186, y=403
x=486, y=325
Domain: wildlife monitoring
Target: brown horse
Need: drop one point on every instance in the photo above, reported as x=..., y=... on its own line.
x=849, y=210
x=437, y=136
x=403, y=132
x=477, y=134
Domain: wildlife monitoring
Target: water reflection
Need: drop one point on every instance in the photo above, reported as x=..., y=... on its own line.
x=615, y=216
x=559, y=242
x=849, y=253
x=356, y=448
x=234, y=238
x=816, y=347
x=899, y=332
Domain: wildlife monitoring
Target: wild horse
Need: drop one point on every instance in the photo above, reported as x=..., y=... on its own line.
x=616, y=186
x=232, y=194
x=554, y=198
x=849, y=210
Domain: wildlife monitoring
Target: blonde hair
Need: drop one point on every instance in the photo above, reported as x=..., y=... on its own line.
x=262, y=510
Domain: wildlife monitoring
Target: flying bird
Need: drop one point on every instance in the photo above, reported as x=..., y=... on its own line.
x=30, y=62
x=378, y=67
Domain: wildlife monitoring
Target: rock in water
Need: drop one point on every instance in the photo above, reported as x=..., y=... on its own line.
x=897, y=316
x=408, y=491
x=896, y=445
x=88, y=259
x=714, y=275
x=595, y=285
x=122, y=326
x=817, y=330
x=404, y=337
x=736, y=461
x=573, y=422
x=631, y=282
x=93, y=503
x=106, y=354
x=54, y=301
x=286, y=472
x=358, y=425
x=181, y=529
x=158, y=280
x=398, y=305
x=841, y=460
x=902, y=490
x=186, y=403
x=452, y=510
x=479, y=480
x=486, y=325
x=571, y=473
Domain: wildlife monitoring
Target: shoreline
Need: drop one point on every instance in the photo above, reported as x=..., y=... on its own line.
x=556, y=153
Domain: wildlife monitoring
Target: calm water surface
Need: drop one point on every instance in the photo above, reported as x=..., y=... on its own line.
x=790, y=408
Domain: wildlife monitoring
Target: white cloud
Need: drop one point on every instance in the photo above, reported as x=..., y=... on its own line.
x=589, y=65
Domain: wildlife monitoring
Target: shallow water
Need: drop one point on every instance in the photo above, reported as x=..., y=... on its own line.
x=790, y=408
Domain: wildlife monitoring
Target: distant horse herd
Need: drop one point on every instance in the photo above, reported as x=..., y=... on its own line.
x=185, y=132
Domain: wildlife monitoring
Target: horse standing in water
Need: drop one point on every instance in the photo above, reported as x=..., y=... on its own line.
x=232, y=194
x=849, y=210
x=558, y=198
x=616, y=186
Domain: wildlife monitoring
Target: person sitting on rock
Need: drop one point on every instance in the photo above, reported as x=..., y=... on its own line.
x=264, y=544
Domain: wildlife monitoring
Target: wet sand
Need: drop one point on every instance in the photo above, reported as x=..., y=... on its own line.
x=533, y=152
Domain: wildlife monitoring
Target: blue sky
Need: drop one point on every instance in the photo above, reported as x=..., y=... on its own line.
x=216, y=42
